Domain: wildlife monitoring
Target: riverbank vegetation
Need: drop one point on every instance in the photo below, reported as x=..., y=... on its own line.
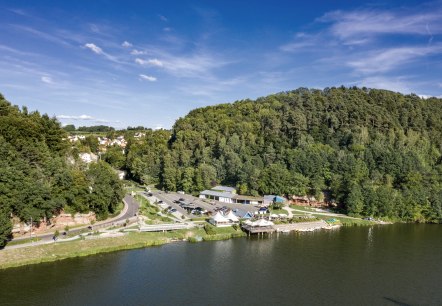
x=371, y=152
x=40, y=176
x=132, y=240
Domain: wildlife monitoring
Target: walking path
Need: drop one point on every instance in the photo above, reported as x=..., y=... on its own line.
x=302, y=226
x=130, y=208
x=289, y=211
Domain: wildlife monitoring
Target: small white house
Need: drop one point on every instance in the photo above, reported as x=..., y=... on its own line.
x=88, y=157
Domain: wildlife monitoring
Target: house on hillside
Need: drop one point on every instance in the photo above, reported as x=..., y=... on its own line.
x=88, y=157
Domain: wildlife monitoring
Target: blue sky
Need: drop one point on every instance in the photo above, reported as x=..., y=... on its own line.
x=150, y=62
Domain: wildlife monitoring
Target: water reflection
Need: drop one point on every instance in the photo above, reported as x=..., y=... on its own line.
x=352, y=266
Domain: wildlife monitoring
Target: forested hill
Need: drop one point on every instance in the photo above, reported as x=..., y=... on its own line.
x=375, y=152
x=35, y=178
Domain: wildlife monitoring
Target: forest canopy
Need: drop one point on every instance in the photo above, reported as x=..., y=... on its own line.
x=372, y=152
x=36, y=179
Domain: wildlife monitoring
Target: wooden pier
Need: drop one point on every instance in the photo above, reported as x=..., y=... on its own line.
x=260, y=230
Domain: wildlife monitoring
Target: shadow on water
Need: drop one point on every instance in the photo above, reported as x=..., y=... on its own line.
x=396, y=302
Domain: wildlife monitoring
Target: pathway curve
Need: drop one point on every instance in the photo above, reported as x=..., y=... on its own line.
x=130, y=208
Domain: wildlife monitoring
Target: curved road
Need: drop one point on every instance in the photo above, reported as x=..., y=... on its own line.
x=130, y=209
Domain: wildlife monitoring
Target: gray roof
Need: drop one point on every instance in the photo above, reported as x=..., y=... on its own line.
x=218, y=194
x=269, y=197
x=224, y=188
x=241, y=213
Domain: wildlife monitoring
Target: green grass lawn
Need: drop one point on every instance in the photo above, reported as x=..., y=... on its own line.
x=304, y=208
x=278, y=211
x=346, y=221
x=18, y=242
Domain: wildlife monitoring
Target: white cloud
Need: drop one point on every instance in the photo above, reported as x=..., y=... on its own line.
x=388, y=59
x=199, y=65
x=126, y=44
x=70, y=118
x=163, y=18
x=365, y=23
x=147, y=78
x=47, y=79
x=149, y=62
x=94, y=48
x=137, y=52
x=155, y=62
x=97, y=50
x=81, y=117
x=398, y=84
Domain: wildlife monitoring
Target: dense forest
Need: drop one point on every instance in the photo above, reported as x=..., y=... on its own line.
x=372, y=152
x=39, y=175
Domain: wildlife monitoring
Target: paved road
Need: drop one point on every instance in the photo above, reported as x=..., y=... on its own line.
x=131, y=207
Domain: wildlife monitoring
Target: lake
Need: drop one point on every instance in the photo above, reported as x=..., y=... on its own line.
x=380, y=265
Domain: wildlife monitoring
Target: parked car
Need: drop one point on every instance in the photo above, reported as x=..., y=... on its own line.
x=173, y=210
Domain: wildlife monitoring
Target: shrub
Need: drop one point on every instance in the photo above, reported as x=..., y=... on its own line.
x=210, y=229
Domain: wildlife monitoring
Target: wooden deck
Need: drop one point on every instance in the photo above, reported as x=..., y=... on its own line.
x=258, y=229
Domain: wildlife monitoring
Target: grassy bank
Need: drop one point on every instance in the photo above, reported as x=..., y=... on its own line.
x=79, y=248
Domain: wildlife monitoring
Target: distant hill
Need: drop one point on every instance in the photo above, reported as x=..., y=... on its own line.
x=376, y=152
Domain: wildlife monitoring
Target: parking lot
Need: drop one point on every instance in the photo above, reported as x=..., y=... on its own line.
x=171, y=199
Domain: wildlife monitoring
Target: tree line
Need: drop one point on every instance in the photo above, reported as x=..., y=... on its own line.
x=39, y=174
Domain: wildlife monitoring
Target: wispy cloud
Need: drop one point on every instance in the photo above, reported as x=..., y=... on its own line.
x=359, y=24
x=398, y=84
x=47, y=79
x=147, y=78
x=87, y=118
x=388, y=59
x=301, y=40
x=43, y=35
x=163, y=18
x=94, y=48
x=97, y=50
x=149, y=62
x=74, y=117
x=137, y=52
x=126, y=44
x=200, y=64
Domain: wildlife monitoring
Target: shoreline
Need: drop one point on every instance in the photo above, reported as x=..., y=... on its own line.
x=12, y=258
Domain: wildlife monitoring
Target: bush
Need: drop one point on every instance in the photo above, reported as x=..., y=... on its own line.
x=210, y=229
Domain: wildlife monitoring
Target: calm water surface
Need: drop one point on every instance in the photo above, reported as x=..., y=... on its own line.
x=383, y=265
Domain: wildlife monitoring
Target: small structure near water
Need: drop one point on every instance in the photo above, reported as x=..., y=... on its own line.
x=260, y=226
x=220, y=220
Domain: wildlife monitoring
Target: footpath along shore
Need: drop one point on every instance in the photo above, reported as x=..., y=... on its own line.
x=91, y=245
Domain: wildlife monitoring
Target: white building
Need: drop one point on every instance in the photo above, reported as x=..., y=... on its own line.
x=88, y=157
